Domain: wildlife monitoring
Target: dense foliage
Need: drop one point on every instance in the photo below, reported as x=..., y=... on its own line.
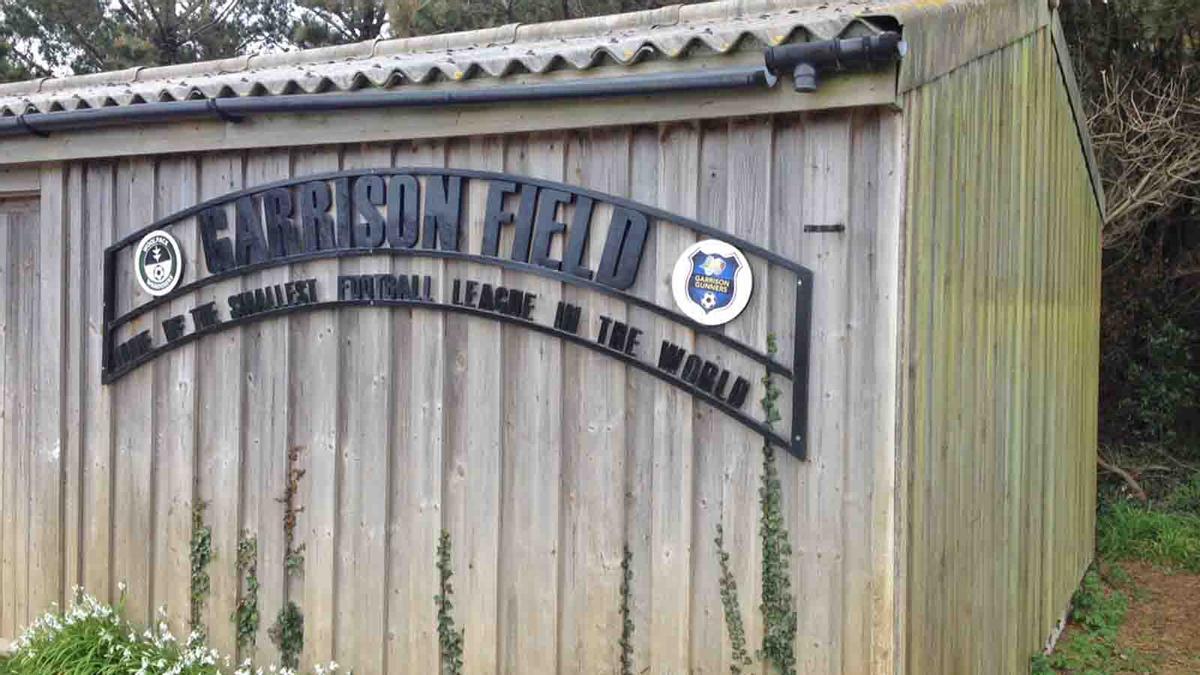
x=86, y=36
x=57, y=37
x=1136, y=65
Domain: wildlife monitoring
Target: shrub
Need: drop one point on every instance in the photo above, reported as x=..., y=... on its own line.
x=1163, y=385
x=92, y=638
x=1186, y=497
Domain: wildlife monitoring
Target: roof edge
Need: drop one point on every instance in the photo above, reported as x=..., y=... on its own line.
x=501, y=35
x=979, y=26
x=1075, y=98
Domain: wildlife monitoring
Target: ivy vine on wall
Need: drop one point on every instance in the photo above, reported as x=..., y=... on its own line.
x=626, y=641
x=450, y=639
x=780, y=618
x=201, y=554
x=245, y=615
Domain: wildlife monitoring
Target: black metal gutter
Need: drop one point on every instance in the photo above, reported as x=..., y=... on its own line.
x=803, y=61
x=234, y=109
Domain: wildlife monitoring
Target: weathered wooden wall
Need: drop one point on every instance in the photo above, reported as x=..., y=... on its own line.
x=1000, y=362
x=542, y=460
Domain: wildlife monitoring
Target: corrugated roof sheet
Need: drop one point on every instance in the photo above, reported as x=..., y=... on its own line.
x=675, y=32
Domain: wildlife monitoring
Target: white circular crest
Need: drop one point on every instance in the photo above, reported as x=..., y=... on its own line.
x=158, y=263
x=712, y=282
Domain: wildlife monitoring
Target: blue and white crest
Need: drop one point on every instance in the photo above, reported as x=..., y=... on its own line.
x=713, y=279
x=712, y=282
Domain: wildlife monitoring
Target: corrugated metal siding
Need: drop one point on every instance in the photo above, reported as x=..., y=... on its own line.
x=542, y=459
x=1001, y=346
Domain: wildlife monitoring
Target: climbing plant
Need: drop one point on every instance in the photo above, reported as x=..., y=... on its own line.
x=733, y=612
x=293, y=558
x=287, y=634
x=450, y=639
x=778, y=607
x=245, y=615
x=626, y=642
x=780, y=619
x=201, y=555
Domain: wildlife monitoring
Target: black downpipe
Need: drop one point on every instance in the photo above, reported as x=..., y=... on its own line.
x=807, y=60
x=234, y=109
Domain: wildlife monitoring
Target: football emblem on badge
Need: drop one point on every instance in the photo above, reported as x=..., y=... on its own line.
x=158, y=263
x=712, y=282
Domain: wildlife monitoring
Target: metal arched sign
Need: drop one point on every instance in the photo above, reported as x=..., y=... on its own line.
x=561, y=232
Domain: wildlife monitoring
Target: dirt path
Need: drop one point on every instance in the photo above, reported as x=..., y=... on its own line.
x=1163, y=622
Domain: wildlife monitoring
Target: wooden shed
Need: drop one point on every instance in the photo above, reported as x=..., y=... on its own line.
x=541, y=295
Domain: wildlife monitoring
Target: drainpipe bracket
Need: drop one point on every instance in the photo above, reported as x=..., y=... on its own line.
x=24, y=124
x=220, y=112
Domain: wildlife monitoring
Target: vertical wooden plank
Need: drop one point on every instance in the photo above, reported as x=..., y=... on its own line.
x=947, y=408
x=671, y=439
x=219, y=453
x=710, y=649
x=368, y=369
x=1051, y=450
x=819, y=533
x=75, y=287
x=313, y=408
x=639, y=426
x=939, y=474
x=971, y=262
x=133, y=411
x=867, y=398
x=471, y=467
x=1034, y=400
x=47, y=476
x=787, y=195
x=738, y=453
x=420, y=430
x=987, y=476
x=886, y=507
x=98, y=447
x=592, y=524
x=265, y=433
x=8, y=522
x=1016, y=191
x=25, y=321
x=1009, y=121
x=532, y=442
x=175, y=419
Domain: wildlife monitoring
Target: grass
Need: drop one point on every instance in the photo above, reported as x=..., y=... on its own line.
x=1167, y=535
x=1099, y=610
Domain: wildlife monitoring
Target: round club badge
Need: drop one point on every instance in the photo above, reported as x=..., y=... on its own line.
x=157, y=263
x=712, y=282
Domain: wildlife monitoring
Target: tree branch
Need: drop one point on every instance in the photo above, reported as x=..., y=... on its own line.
x=1134, y=486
